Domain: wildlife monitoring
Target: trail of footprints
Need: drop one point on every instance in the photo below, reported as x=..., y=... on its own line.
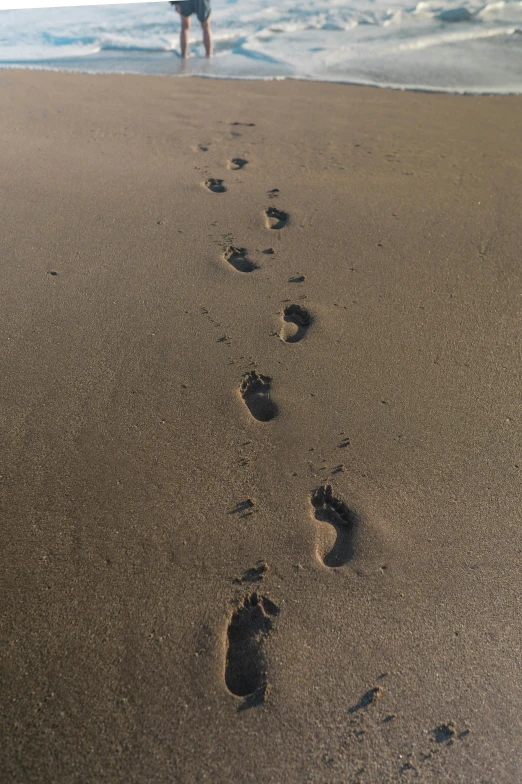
x=252, y=620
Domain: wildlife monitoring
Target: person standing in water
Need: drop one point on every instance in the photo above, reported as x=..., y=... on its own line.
x=185, y=9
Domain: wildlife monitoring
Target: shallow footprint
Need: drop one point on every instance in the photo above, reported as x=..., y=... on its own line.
x=276, y=219
x=246, y=664
x=336, y=547
x=237, y=163
x=296, y=323
x=238, y=258
x=255, y=391
x=216, y=186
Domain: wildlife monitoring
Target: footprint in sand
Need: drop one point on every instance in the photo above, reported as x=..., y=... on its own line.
x=335, y=541
x=216, y=186
x=246, y=663
x=238, y=258
x=276, y=219
x=296, y=323
x=237, y=163
x=255, y=391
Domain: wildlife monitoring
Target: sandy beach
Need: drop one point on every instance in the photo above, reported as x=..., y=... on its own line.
x=261, y=401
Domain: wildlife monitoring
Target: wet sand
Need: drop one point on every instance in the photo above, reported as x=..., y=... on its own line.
x=261, y=494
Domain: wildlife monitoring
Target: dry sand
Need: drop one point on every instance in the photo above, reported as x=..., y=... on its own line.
x=146, y=501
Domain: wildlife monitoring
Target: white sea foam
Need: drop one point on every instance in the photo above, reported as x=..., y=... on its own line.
x=456, y=47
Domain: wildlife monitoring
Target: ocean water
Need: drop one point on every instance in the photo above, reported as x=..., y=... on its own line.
x=444, y=46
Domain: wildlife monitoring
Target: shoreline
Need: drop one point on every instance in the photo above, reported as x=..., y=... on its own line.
x=374, y=85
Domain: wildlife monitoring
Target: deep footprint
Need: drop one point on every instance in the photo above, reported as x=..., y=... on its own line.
x=237, y=163
x=246, y=664
x=216, y=186
x=296, y=323
x=276, y=219
x=255, y=391
x=329, y=509
x=238, y=258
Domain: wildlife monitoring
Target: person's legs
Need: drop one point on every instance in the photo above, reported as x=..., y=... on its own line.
x=184, y=36
x=202, y=9
x=207, y=37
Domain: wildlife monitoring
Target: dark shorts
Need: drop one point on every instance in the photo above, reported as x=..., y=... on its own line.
x=199, y=7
